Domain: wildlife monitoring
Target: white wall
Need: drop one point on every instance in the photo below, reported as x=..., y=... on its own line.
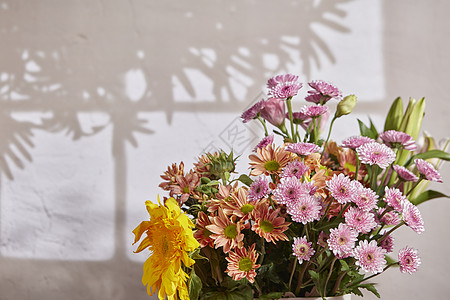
x=97, y=98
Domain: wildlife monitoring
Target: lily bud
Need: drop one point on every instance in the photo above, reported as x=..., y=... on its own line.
x=274, y=111
x=345, y=106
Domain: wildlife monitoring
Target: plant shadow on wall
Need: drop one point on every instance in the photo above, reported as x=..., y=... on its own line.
x=50, y=79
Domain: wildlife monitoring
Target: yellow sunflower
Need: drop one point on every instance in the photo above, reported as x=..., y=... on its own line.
x=169, y=239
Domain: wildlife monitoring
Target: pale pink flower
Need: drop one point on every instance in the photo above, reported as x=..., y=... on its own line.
x=397, y=139
x=412, y=217
x=342, y=240
x=274, y=111
x=426, y=169
x=408, y=260
x=394, y=197
x=267, y=140
x=305, y=209
x=252, y=112
x=226, y=232
x=361, y=221
x=404, y=173
x=284, y=86
x=341, y=188
x=291, y=188
x=370, y=257
x=314, y=111
x=389, y=218
x=356, y=141
x=303, y=149
x=365, y=198
x=294, y=169
x=258, y=189
x=376, y=154
x=302, y=249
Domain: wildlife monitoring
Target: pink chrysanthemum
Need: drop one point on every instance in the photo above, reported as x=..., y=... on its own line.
x=388, y=218
x=405, y=174
x=356, y=141
x=397, y=139
x=412, y=217
x=284, y=86
x=242, y=264
x=365, y=198
x=360, y=220
x=370, y=257
x=294, y=169
x=427, y=170
x=300, y=118
x=342, y=240
x=408, y=260
x=305, y=209
x=291, y=188
x=394, y=197
x=303, y=149
x=323, y=239
x=314, y=111
x=258, y=189
x=302, y=249
x=387, y=243
x=376, y=154
x=267, y=140
x=252, y=112
x=341, y=188
x=325, y=90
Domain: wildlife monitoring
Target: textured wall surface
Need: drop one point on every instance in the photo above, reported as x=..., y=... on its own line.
x=97, y=98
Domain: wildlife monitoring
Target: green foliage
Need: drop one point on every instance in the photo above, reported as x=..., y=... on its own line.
x=428, y=195
x=195, y=286
x=368, y=131
x=394, y=116
x=230, y=290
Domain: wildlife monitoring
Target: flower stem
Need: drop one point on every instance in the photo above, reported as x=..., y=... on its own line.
x=291, y=118
x=266, y=133
x=328, y=137
x=328, y=277
x=292, y=273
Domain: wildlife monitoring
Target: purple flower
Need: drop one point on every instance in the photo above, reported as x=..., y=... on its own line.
x=303, y=149
x=284, y=86
x=369, y=256
x=359, y=220
x=395, y=139
x=408, y=260
x=394, y=198
x=304, y=209
x=267, y=140
x=387, y=243
x=274, y=111
x=258, y=189
x=376, y=154
x=252, y=112
x=342, y=240
x=427, y=170
x=314, y=111
x=302, y=249
x=356, y=141
x=341, y=188
x=323, y=92
x=294, y=169
x=299, y=118
x=412, y=217
x=404, y=173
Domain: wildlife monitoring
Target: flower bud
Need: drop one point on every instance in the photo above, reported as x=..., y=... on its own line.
x=274, y=111
x=345, y=106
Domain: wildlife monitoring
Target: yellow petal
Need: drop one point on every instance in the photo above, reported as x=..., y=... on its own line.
x=140, y=229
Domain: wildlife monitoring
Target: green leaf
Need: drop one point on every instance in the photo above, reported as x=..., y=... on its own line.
x=366, y=131
x=344, y=265
x=314, y=275
x=394, y=116
x=245, y=180
x=373, y=129
x=371, y=288
x=196, y=255
x=428, y=195
x=269, y=296
x=390, y=261
x=195, y=286
x=356, y=291
x=415, y=119
x=429, y=154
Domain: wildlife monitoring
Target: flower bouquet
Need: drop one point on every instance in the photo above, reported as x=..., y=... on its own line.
x=312, y=218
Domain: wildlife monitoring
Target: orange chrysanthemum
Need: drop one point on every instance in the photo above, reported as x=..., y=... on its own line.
x=269, y=160
x=242, y=264
x=226, y=232
x=269, y=225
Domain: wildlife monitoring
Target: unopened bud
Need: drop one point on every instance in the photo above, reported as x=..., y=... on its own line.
x=345, y=106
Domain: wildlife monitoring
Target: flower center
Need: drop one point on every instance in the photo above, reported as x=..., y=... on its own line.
x=266, y=226
x=272, y=166
x=343, y=190
x=230, y=231
x=245, y=264
x=247, y=208
x=369, y=257
x=342, y=240
x=186, y=190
